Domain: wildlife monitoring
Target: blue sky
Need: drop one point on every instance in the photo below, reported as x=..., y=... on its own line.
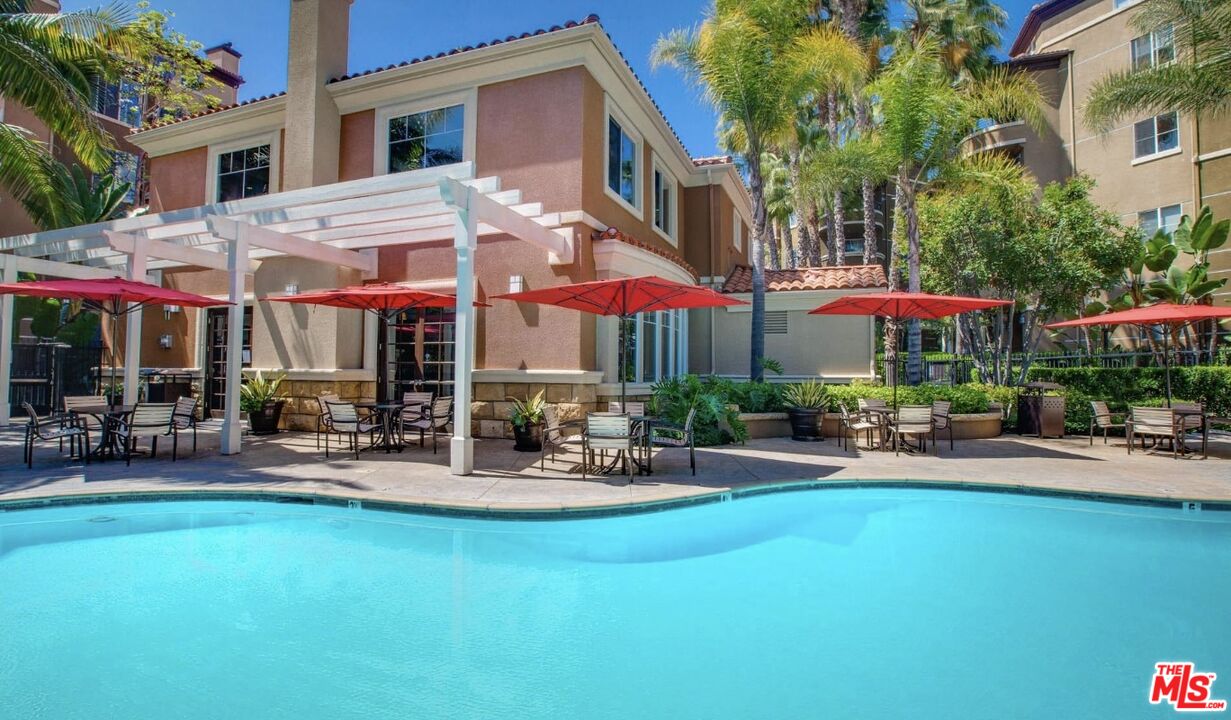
x=389, y=31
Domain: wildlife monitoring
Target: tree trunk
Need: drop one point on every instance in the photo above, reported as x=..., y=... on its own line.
x=891, y=326
x=863, y=123
x=814, y=225
x=837, y=236
x=788, y=244
x=914, y=337
x=775, y=245
x=756, y=187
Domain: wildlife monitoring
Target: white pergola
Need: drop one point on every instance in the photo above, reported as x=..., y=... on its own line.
x=338, y=224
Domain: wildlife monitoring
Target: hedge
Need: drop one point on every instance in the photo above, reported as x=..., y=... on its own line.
x=970, y=398
x=1122, y=388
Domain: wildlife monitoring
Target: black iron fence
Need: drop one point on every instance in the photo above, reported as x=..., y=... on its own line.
x=948, y=369
x=43, y=374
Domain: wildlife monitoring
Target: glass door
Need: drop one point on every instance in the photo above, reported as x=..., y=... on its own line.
x=216, y=354
x=417, y=348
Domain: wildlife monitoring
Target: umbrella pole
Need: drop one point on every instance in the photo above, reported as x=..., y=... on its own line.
x=115, y=340
x=623, y=360
x=1167, y=360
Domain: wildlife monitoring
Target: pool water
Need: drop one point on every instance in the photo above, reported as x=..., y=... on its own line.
x=867, y=603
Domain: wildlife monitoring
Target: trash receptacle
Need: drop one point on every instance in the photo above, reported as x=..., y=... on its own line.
x=1038, y=413
x=167, y=387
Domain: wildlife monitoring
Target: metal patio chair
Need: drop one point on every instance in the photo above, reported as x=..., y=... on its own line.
x=49, y=430
x=1102, y=418
x=559, y=435
x=435, y=419
x=912, y=420
x=344, y=420
x=606, y=431
x=147, y=420
x=1146, y=422
x=671, y=435
x=185, y=417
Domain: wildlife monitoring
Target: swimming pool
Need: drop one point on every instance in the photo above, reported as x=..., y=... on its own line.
x=870, y=603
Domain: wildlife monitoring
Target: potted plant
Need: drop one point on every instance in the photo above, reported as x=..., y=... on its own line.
x=806, y=403
x=261, y=398
x=527, y=419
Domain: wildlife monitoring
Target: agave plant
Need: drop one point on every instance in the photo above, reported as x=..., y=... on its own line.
x=527, y=412
x=259, y=391
x=807, y=395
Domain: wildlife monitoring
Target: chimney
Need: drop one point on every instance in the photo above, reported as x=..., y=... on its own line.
x=225, y=59
x=318, y=45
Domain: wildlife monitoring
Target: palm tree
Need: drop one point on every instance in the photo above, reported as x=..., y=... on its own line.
x=968, y=32
x=753, y=59
x=77, y=199
x=924, y=116
x=49, y=64
x=1197, y=81
x=779, y=208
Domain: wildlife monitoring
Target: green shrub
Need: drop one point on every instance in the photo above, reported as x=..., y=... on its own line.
x=716, y=423
x=965, y=398
x=756, y=397
x=807, y=395
x=1122, y=388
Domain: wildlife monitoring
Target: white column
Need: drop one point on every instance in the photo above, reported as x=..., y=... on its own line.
x=237, y=265
x=132, y=334
x=6, y=339
x=465, y=232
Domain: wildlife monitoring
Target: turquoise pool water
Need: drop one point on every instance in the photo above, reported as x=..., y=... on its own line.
x=864, y=603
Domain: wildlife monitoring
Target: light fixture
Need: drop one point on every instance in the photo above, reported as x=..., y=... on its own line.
x=517, y=283
x=169, y=310
x=164, y=341
x=292, y=288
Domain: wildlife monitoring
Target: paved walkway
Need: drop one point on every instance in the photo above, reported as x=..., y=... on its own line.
x=509, y=480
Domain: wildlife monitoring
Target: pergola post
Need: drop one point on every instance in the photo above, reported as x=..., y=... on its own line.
x=6, y=340
x=237, y=263
x=132, y=335
x=465, y=233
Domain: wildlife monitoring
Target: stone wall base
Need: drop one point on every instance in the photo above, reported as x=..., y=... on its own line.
x=302, y=407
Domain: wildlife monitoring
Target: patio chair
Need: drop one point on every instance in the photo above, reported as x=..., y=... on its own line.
x=1146, y=422
x=632, y=407
x=147, y=420
x=857, y=422
x=942, y=420
x=70, y=416
x=50, y=430
x=416, y=402
x=343, y=419
x=1102, y=418
x=438, y=416
x=1192, y=417
x=871, y=406
x=913, y=420
x=670, y=435
x=608, y=431
x=558, y=434
x=185, y=417
x=322, y=418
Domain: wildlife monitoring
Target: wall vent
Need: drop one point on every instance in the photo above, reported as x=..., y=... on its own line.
x=776, y=322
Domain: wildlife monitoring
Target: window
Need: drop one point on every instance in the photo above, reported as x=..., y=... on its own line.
x=656, y=346
x=664, y=204
x=243, y=173
x=1166, y=218
x=420, y=347
x=622, y=165
x=426, y=139
x=854, y=246
x=738, y=231
x=1156, y=48
x=119, y=101
x=125, y=169
x=1156, y=135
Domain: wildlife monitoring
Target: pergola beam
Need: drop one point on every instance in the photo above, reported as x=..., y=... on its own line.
x=557, y=242
x=186, y=254
x=258, y=236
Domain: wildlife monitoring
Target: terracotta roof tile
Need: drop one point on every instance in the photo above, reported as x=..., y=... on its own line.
x=842, y=277
x=210, y=111
x=712, y=160
x=614, y=233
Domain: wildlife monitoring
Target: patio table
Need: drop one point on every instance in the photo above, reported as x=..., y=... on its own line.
x=385, y=412
x=106, y=416
x=1183, y=415
x=887, y=416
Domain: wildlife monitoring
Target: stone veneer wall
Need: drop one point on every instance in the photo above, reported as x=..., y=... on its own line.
x=302, y=408
x=491, y=406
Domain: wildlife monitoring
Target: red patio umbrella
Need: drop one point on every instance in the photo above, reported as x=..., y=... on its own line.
x=385, y=300
x=111, y=296
x=906, y=306
x=1168, y=314
x=624, y=298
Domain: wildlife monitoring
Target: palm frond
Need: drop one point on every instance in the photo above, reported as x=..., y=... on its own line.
x=1184, y=87
x=27, y=167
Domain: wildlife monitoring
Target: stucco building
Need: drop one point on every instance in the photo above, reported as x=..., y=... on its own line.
x=1149, y=170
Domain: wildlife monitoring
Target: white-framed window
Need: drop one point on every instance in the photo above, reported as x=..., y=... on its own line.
x=622, y=169
x=737, y=231
x=1156, y=135
x=424, y=133
x=1156, y=48
x=1166, y=218
x=656, y=346
x=125, y=168
x=665, y=206
x=242, y=168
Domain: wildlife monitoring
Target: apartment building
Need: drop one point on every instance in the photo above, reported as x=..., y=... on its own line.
x=1149, y=170
x=118, y=108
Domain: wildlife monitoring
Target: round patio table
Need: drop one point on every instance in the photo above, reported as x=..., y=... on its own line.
x=106, y=415
x=385, y=412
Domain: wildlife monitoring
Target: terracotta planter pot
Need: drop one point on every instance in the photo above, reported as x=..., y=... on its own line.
x=806, y=424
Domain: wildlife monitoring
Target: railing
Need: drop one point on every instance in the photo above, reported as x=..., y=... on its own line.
x=947, y=369
x=43, y=374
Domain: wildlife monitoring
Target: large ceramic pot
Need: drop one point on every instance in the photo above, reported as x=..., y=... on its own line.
x=806, y=424
x=265, y=420
x=528, y=438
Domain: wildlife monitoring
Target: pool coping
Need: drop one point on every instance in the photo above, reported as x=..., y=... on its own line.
x=529, y=511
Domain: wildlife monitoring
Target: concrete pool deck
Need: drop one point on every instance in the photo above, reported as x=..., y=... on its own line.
x=511, y=481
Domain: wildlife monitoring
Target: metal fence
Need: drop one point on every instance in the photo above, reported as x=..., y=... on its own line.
x=950, y=370
x=43, y=374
